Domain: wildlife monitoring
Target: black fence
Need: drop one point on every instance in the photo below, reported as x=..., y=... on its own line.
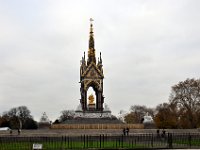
x=134, y=141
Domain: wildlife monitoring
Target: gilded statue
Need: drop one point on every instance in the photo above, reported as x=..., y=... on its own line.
x=91, y=99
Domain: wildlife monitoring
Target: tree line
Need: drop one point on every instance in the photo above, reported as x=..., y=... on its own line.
x=18, y=118
x=181, y=111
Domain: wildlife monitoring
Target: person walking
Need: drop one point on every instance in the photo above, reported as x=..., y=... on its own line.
x=19, y=131
x=163, y=133
x=10, y=131
x=124, y=131
x=127, y=131
x=158, y=133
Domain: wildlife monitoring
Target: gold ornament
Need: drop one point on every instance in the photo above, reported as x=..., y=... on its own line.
x=91, y=99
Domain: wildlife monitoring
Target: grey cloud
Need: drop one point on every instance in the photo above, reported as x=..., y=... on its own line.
x=147, y=46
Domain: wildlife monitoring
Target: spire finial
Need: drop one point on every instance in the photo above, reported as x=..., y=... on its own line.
x=91, y=20
x=91, y=27
x=91, y=40
x=91, y=51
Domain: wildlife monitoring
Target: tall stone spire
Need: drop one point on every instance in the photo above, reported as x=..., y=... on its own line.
x=91, y=51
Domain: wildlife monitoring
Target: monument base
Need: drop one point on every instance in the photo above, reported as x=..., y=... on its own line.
x=93, y=117
x=93, y=114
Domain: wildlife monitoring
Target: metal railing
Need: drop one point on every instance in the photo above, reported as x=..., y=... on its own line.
x=133, y=141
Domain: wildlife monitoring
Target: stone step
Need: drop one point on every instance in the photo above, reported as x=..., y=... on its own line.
x=93, y=121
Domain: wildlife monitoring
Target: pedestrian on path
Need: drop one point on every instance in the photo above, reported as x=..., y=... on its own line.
x=127, y=131
x=124, y=131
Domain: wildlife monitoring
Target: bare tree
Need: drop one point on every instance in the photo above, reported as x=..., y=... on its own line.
x=137, y=113
x=66, y=115
x=166, y=116
x=131, y=118
x=186, y=95
x=19, y=117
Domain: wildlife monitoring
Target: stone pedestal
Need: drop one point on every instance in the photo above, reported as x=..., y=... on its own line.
x=92, y=114
x=91, y=106
x=93, y=117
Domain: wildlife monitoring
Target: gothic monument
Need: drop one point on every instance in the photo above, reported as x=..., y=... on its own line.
x=91, y=75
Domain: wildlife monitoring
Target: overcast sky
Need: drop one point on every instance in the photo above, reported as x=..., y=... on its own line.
x=147, y=46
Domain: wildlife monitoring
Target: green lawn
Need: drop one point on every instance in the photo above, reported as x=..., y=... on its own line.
x=67, y=145
x=85, y=142
x=193, y=142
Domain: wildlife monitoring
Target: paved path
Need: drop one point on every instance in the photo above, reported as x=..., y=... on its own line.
x=77, y=132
